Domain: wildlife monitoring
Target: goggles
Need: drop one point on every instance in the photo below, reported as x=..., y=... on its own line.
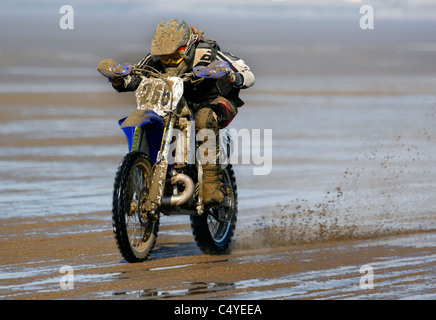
x=174, y=58
x=177, y=57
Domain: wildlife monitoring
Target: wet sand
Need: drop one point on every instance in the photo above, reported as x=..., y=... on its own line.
x=304, y=232
x=403, y=267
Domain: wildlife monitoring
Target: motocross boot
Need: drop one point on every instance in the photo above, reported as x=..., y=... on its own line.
x=213, y=191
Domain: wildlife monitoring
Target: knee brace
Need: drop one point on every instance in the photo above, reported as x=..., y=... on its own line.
x=206, y=118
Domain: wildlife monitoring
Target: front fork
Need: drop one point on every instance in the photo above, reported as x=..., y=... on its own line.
x=156, y=192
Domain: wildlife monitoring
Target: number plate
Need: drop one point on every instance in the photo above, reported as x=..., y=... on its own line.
x=159, y=95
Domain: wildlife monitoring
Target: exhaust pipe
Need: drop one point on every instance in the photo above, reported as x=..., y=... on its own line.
x=182, y=198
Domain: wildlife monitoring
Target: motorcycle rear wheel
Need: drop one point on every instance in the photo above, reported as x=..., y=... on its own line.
x=214, y=229
x=135, y=232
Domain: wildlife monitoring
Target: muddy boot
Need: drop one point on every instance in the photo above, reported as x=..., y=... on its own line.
x=213, y=191
x=208, y=149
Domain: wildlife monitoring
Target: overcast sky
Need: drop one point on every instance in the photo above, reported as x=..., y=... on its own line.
x=397, y=9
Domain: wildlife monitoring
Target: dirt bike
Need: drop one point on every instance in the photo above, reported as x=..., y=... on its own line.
x=161, y=173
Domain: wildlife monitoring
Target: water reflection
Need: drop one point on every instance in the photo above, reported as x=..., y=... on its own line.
x=193, y=288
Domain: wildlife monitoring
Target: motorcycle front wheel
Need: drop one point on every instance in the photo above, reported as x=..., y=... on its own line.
x=214, y=229
x=135, y=231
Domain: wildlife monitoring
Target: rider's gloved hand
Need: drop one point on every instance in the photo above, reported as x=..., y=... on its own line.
x=215, y=70
x=111, y=69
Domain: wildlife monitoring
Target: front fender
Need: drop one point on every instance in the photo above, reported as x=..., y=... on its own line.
x=137, y=118
x=151, y=122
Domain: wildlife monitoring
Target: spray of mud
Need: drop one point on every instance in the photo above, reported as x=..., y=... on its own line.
x=389, y=190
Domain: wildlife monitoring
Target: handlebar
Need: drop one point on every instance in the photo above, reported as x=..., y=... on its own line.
x=216, y=70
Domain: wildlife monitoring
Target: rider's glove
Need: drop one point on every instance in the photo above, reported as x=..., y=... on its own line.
x=215, y=70
x=110, y=69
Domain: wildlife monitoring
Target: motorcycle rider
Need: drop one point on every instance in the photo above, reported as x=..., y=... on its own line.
x=175, y=49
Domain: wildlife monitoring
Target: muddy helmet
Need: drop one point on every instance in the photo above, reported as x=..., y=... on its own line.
x=169, y=36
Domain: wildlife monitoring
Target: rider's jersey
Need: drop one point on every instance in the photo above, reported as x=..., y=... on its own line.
x=206, y=89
